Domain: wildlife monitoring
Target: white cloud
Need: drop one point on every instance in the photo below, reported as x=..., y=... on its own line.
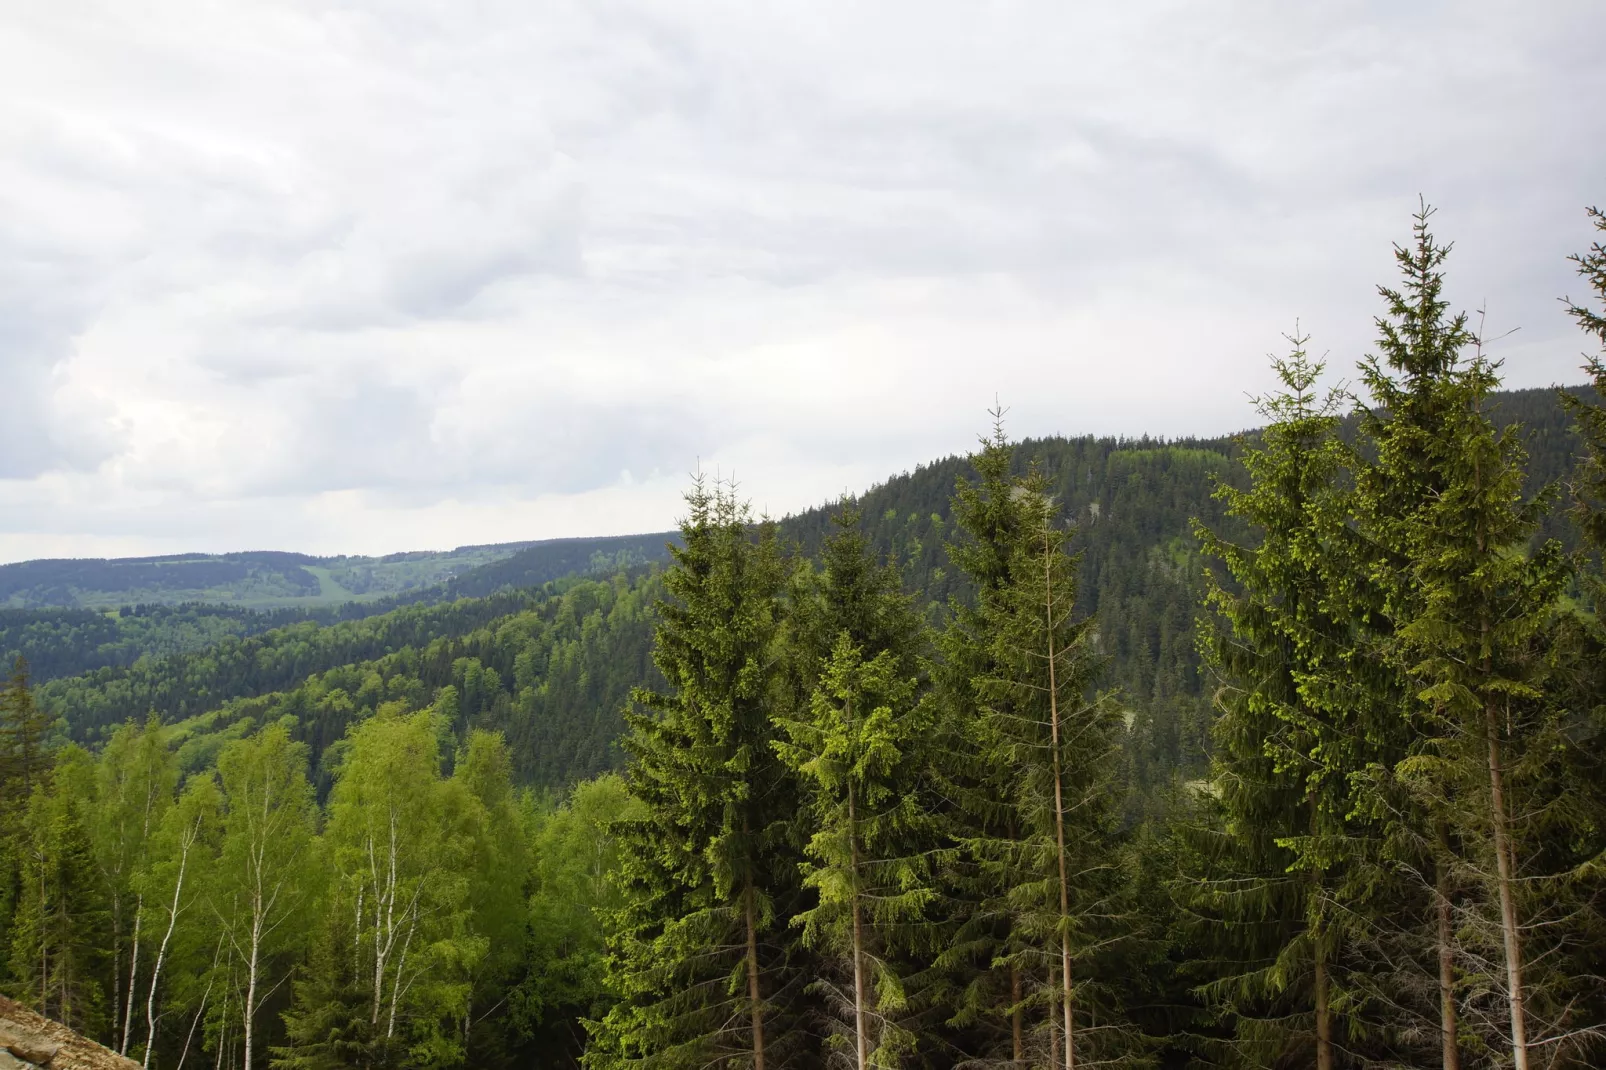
x=367, y=277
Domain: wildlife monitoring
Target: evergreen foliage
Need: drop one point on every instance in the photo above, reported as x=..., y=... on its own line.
x=701, y=953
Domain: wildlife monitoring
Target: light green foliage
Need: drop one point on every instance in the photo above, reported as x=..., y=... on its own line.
x=401, y=839
x=134, y=782
x=859, y=752
x=576, y=852
x=268, y=875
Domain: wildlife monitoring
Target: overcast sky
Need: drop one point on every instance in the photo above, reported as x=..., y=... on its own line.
x=370, y=277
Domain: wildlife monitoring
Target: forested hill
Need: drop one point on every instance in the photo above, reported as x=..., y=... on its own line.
x=557, y=690
x=1133, y=501
x=64, y=641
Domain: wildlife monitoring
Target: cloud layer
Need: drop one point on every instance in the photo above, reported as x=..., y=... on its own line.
x=367, y=277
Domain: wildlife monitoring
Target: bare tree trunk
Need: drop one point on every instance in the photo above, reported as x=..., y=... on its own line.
x=750, y=911
x=396, y=985
x=1508, y=905
x=1059, y=804
x=44, y=944
x=184, y=1054
x=1324, y=1020
x=161, y=952
x=117, y=948
x=1321, y=985
x=1447, y=1023
x=133, y=973
x=251, y=987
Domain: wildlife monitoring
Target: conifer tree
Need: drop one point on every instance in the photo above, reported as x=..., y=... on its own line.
x=980, y=967
x=1271, y=899
x=859, y=747
x=24, y=728
x=60, y=924
x=1471, y=610
x=854, y=751
x=701, y=954
x=1058, y=740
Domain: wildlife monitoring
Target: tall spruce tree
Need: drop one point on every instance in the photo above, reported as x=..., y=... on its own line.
x=860, y=748
x=60, y=926
x=1058, y=741
x=1282, y=757
x=1471, y=606
x=702, y=955
x=978, y=975
x=1576, y=837
x=24, y=731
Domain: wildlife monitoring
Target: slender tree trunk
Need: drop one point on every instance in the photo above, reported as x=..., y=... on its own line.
x=750, y=910
x=184, y=1054
x=863, y=1041
x=1447, y=1023
x=1018, y=1046
x=401, y=966
x=1059, y=807
x=133, y=973
x=117, y=950
x=161, y=952
x=1508, y=905
x=44, y=936
x=1324, y=1020
x=251, y=987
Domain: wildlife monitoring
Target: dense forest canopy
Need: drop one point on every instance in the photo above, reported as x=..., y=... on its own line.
x=1281, y=749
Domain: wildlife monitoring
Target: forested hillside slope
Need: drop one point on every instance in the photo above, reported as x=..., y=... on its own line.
x=1132, y=501
x=67, y=642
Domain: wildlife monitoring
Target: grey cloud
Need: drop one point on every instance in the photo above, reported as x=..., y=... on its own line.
x=286, y=252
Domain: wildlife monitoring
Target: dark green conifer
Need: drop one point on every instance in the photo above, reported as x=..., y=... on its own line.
x=977, y=976
x=702, y=954
x=1280, y=782
x=1471, y=609
x=1057, y=742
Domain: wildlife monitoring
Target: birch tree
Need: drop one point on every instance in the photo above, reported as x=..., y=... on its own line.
x=135, y=778
x=268, y=873
x=183, y=854
x=401, y=839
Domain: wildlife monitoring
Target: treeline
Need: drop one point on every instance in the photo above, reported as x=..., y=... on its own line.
x=868, y=843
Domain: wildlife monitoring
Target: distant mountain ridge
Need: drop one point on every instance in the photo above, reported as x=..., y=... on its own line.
x=273, y=579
